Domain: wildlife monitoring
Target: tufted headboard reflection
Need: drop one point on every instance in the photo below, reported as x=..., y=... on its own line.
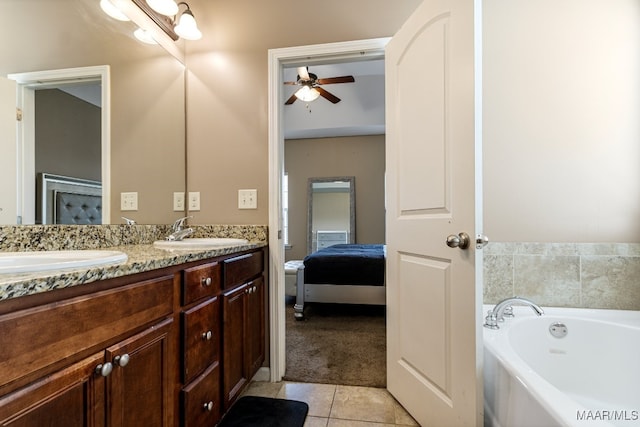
x=66, y=200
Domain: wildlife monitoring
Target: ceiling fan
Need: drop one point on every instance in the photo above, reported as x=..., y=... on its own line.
x=310, y=86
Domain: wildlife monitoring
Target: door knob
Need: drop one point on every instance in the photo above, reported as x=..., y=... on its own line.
x=460, y=241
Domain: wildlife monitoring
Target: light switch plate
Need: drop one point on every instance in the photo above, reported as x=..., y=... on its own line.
x=247, y=199
x=194, y=200
x=178, y=201
x=129, y=201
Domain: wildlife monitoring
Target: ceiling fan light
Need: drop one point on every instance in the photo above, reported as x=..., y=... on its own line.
x=187, y=27
x=307, y=94
x=111, y=10
x=144, y=36
x=164, y=7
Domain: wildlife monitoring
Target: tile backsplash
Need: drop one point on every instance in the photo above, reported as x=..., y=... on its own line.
x=587, y=275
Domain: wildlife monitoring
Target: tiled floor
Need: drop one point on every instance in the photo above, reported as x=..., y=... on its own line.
x=339, y=405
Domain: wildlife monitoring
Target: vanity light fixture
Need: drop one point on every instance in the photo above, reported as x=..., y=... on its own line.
x=111, y=10
x=164, y=13
x=144, y=36
x=187, y=27
x=164, y=7
x=307, y=93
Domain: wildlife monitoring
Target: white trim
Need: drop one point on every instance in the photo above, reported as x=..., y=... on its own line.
x=27, y=84
x=293, y=56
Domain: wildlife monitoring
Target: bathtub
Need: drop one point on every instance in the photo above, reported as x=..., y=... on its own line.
x=589, y=377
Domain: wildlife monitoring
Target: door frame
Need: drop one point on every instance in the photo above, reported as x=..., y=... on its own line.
x=27, y=84
x=278, y=58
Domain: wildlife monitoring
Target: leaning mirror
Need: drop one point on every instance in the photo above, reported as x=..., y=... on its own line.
x=138, y=149
x=331, y=212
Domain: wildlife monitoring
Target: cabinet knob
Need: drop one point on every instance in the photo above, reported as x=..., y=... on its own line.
x=208, y=406
x=206, y=281
x=122, y=360
x=255, y=288
x=207, y=335
x=104, y=369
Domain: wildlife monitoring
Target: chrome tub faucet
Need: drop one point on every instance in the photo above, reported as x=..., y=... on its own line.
x=505, y=308
x=178, y=232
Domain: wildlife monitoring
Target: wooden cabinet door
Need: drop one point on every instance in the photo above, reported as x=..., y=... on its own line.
x=71, y=397
x=139, y=389
x=235, y=373
x=255, y=326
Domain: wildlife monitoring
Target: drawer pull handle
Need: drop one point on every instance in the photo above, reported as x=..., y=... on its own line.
x=206, y=281
x=207, y=336
x=208, y=406
x=104, y=369
x=121, y=361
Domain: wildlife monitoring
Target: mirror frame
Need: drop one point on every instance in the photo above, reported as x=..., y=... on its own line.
x=352, y=206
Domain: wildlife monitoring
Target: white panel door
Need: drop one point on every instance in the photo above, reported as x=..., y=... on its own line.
x=8, y=159
x=433, y=303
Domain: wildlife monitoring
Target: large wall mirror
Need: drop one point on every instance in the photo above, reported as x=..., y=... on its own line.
x=146, y=98
x=331, y=211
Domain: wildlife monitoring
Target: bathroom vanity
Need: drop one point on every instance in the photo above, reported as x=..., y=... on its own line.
x=164, y=346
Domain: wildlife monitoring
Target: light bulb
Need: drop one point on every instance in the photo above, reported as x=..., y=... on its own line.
x=164, y=7
x=144, y=36
x=187, y=27
x=111, y=10
x=307, y=94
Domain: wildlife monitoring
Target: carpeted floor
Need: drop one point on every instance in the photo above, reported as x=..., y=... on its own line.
x=337, y=344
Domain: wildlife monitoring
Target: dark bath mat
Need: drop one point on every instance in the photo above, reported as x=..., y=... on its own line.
x=254, y=411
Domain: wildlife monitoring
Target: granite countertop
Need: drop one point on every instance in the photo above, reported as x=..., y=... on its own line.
x=140, y=258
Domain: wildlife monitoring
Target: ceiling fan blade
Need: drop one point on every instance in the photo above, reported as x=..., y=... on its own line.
x=332, y=80
x=328, y=96
x=303, y=73
x=291, y=100
x=291, y=83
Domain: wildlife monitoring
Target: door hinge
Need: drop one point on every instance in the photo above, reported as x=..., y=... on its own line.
x=18, y=114
x=279, y=234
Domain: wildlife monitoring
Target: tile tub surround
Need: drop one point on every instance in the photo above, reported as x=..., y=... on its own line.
x=136, y=241
x=580, y=275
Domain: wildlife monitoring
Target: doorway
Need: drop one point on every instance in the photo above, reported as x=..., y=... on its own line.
x=66, y=79
x=278, y=60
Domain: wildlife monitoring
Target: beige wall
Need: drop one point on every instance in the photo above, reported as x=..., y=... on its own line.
x=359, y=156
x=561, y=107
x=227, y=87
x=147, y=138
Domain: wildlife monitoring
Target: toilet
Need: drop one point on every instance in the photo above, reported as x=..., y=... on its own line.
x=290, y=271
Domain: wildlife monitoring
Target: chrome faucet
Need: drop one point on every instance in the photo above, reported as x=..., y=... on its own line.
x=505, y=308
x=178, y=232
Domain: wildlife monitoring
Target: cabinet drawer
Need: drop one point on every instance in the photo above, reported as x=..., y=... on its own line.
x=200, y=337
x=45, y=335
x=239, y=269
x=201, y=399
x=200, y=282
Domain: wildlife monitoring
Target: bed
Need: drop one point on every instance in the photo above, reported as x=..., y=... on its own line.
x=67, y=200
x=343, y=273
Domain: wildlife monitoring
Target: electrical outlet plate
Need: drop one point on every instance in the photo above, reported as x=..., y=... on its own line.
x=178, y=201
x=194, y=200
x=247, y=199
x=129, y=201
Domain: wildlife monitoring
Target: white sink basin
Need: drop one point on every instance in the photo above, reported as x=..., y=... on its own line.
x=199, y=243
x=26, y=262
